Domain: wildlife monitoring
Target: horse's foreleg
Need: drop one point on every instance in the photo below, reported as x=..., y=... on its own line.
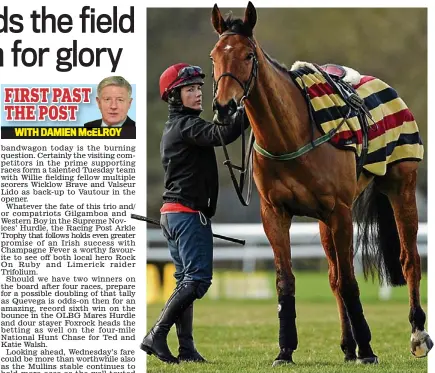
x=276, y=226
x=403, y=202
x=347, y=342
x=342, y=236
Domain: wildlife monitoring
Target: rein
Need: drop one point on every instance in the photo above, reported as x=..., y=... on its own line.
x=246, y=168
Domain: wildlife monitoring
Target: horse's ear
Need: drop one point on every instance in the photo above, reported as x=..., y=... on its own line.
x=250, y=16
x=218, y=21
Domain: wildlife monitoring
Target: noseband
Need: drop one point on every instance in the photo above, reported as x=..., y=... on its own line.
x=247, y=87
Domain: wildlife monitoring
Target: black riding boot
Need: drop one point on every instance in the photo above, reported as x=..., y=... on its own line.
x=155, y=342
x=187, y=350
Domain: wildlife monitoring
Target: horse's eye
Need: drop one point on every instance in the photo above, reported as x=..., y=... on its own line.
x=250, y=56
x=211, y=58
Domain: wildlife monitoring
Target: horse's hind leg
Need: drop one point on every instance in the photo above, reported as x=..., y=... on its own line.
x=399, y=184
x=276, y=226
x=340, y=223
x=347, y=343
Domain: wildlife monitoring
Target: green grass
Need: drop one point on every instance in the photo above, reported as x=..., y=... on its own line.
x=242, y=335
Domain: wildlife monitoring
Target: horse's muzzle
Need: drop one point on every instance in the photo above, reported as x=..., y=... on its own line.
x=224, y=113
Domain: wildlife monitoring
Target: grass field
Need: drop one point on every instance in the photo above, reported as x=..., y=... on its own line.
x=242, y=336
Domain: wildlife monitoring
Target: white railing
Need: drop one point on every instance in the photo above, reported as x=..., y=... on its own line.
x=305, y=243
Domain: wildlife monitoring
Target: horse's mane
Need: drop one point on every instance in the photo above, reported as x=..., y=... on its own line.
x=237, y=26
x=274, y=62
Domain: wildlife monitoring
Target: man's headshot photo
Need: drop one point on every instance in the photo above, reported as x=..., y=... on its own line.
x=114, y=100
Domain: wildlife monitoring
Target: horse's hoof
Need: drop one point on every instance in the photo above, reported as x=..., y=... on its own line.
x=367, y=360
x=277, y=363
x=421, y=343
x=350, y=358
x=284, y=357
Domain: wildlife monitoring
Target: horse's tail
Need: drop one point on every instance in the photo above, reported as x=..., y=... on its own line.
x=378, y=237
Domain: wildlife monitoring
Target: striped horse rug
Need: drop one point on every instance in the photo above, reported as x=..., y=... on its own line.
x=394, y=136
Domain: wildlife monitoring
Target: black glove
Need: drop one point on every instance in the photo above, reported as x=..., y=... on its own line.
x=237, y=117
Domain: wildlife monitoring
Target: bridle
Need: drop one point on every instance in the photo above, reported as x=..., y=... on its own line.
x=246, y=168
x=247, y=87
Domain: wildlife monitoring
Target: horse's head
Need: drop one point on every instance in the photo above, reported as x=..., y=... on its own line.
x=234, y=62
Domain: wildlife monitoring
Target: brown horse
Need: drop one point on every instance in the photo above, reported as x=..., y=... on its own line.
x=298, y=172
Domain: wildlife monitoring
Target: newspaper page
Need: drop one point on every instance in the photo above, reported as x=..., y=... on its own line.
x=72, y=78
